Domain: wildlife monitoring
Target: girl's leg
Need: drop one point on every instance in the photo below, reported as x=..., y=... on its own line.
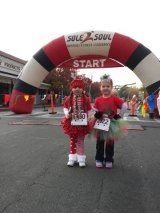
x=99, y=150
x=73, y=141
x=80, y=151
x=72, y=156
x=109, y=150
x=80, y=145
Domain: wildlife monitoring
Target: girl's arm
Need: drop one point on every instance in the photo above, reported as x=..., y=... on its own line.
x=95, y=113
x=91, y=113
x=67, y=112
x=123, y=109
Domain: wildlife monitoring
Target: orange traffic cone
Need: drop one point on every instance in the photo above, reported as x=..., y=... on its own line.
x=52, y=104
x=133, y=110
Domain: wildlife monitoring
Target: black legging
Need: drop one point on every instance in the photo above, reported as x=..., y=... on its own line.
x=109, y=150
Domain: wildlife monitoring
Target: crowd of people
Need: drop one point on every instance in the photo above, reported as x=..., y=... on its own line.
x=150, y=105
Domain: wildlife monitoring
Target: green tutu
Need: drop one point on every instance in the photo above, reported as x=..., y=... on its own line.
x=118, y=128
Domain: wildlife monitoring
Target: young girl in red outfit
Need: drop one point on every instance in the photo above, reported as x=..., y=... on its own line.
x=106, y=108
x=75, y=123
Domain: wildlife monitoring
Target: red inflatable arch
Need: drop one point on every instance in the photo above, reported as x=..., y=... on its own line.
x=85, y=50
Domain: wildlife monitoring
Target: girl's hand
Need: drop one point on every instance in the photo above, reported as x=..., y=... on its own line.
x=117, y=116
x=69, y=113
x=98, y=114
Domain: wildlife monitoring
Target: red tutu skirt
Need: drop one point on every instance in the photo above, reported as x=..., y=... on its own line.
x=73, y=130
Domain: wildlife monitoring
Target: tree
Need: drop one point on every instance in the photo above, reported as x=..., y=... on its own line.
x=95, y=90
x=60, y=80
x=127, y=92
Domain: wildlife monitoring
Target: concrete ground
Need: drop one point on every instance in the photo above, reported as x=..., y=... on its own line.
x=34, y=177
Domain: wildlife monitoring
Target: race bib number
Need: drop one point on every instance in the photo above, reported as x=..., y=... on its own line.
x=80, y=121
x=102, y=124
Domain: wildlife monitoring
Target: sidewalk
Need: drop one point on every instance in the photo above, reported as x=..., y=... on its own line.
x=5, y=108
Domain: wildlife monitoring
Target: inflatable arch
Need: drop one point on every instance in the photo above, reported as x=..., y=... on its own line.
x=116, y=48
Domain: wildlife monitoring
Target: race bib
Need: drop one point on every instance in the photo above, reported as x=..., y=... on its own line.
x=102, y=124
x=80, y=121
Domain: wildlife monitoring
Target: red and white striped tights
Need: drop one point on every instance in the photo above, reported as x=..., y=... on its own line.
x=77, y=144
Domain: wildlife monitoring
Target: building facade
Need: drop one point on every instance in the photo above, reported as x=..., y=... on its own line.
x=10, y=67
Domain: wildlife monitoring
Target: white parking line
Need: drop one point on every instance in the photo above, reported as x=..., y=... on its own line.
x=49, y=116
x=131, y=118
x=60, y=115
x=33, y=114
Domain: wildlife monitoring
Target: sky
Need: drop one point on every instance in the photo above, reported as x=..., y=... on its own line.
x=28, y=25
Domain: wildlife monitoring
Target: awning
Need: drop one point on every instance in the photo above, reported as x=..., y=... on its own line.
x=8, y=78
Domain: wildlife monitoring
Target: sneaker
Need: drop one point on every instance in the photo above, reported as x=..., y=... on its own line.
x=82, y=164
x=109, y=164
x=99, y=164
x=70, y=163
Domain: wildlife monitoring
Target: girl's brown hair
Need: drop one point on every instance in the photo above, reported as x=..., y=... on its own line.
x=71, y=99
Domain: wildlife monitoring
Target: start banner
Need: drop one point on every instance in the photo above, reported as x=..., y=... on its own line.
x=88, y=61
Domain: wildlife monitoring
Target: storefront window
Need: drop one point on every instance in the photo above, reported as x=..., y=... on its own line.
x=4, y=89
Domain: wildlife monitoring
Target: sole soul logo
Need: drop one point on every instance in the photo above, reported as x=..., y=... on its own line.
x=89, y=39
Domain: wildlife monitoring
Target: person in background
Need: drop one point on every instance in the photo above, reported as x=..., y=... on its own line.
x=76, y=109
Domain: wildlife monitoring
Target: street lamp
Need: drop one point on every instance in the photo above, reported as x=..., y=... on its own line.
x=90, y=88
x=62, y=94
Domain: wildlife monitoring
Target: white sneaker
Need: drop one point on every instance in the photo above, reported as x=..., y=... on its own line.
x=99, y=164
x=109, y=165
x=72, y=159
x=82, y=164
x=81, y=160
x=70, y=163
